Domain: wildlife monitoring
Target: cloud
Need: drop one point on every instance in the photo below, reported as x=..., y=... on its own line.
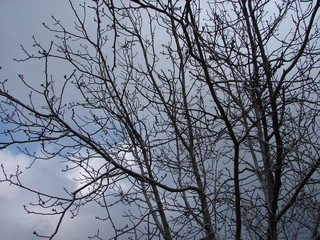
x=15, y=223
x=45, y=176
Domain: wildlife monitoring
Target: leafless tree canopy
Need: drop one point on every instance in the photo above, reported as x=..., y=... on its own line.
x=198, y=119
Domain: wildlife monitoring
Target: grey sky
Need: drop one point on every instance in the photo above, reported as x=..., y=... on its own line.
x=19, y=21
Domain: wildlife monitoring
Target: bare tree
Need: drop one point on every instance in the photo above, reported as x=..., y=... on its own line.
x=200, y=119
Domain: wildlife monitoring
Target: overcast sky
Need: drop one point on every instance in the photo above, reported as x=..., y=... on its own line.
x=19, y=21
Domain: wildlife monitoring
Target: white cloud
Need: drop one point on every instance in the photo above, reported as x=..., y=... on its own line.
x=46, y=176
x=15, y=223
